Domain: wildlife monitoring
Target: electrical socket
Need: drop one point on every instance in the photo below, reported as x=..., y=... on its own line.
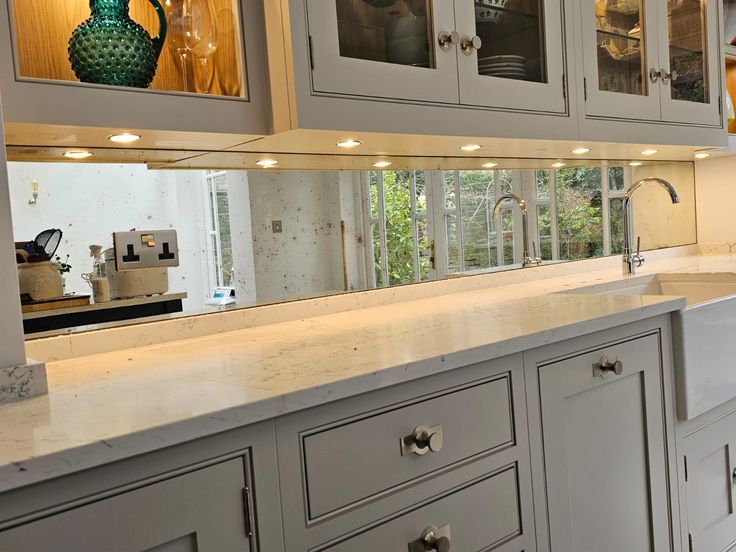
x=145, y=249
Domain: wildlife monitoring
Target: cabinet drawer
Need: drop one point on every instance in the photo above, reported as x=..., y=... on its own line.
x=481, y=516
x=200, y=510
x=347, y=463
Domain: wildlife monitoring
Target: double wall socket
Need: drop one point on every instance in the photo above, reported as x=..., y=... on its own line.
x=145, y=249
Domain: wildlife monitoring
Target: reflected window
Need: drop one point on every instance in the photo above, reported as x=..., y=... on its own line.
x=218, y=223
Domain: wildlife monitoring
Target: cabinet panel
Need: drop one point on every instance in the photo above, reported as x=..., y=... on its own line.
x=483, y=516
x=200, y=510
x=709, y=455
x=383, y=49
x=689, y=60
x=520, y=59
x=354, y=461
x=620, y=40
x=604, y=450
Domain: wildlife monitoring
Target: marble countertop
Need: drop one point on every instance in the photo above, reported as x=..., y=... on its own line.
x=107, y=407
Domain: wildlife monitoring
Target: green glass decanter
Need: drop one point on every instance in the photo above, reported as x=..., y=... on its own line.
x=111, y=48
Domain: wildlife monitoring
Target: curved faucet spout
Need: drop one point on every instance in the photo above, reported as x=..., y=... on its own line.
x=506, y=197
x=674, y=195
x=528, y=259
x=634, y=260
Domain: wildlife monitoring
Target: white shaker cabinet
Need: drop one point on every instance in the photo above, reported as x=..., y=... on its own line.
x=709, y=461
x=598, y=415
x=652, y=60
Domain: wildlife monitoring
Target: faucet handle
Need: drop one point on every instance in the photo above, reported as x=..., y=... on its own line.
x=638, y=259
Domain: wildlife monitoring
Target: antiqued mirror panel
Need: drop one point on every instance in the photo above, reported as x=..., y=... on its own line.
x=246, y=238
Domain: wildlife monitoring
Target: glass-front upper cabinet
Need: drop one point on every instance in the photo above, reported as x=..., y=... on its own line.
x=402, y=49
x=691, y=51
x=511, y=54
x=185, y=46
x=652, y=60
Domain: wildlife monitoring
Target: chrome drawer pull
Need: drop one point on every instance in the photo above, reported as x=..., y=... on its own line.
x=447, y=40
x=606, y=367
x=424, y=439
x=433, y=539
x=468, y=45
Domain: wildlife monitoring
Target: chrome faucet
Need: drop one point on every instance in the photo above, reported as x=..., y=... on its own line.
x=632, y=261
x=528, y=259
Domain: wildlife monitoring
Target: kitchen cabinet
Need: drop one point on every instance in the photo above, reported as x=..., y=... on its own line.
x=709, y=466
x=600, y=416
x=449, y=451
x=183, y=499
x=223, y=90
x=503, y=54
x=654, y=61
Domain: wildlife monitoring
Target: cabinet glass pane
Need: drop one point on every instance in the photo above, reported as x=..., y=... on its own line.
x=390, y=31
x=687, y=50
x=512, y=39
x=620, y=36
x=115, y=42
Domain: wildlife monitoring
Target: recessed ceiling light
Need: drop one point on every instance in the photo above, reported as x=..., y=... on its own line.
x=350, y=143
x=489, y=165
x=649, y=152
x=267, y=163
x=382, y=164
x=557, y=165
x=635, y=164
x=78, y=154
x=702, y=155
x=470, y=147
x=580, y=151
x=124, y=138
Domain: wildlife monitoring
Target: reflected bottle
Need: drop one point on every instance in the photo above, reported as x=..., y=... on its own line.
x=111, y=48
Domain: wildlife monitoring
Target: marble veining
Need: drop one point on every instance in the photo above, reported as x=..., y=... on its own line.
x=22, y=382
x=106, y=407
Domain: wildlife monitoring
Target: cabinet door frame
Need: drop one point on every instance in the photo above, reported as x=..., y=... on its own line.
x=534, y=358
x=704, y=114
x=334, y=74
x=501, y=93
x=599, y=103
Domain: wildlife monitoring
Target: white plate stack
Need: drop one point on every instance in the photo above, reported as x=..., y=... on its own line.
x=503, y=66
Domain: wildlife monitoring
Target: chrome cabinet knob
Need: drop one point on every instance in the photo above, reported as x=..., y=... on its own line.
x=654, y=75
x=448, y=40
x=666, y=77
x=605, y=367
x=424, y=439
x=469, y=45
x=433, y=539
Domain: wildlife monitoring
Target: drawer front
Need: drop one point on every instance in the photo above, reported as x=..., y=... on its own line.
x=200, y=510
x=482, y=516
x=351, y=462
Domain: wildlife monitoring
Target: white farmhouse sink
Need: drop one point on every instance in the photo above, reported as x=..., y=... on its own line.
x=704, y=333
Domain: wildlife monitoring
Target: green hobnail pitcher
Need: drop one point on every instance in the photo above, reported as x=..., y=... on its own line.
x=111, y=48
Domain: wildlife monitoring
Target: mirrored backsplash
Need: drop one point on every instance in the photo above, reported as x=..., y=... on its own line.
x=255, y=237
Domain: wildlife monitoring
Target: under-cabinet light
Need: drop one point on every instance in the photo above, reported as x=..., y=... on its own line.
x=78, y=154
x=124, y=138
x=489, y=165
x=267, y=163
x=702, y=155
x=350, y=143
x=470, y=147
x=581, y=151
x=557, y=165
x=382, y=164
x=649, y=152
x=635, y=164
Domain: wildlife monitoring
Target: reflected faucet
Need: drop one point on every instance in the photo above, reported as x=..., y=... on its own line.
x=634, y=261
x=528, y=260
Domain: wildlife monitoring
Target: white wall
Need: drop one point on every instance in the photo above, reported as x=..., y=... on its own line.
x=89, y=202
x=12, y=351
x=716, y=192
x=306, y=258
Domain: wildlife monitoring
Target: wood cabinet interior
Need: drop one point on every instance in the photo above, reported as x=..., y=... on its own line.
x=731, y=89
x=42, y=29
